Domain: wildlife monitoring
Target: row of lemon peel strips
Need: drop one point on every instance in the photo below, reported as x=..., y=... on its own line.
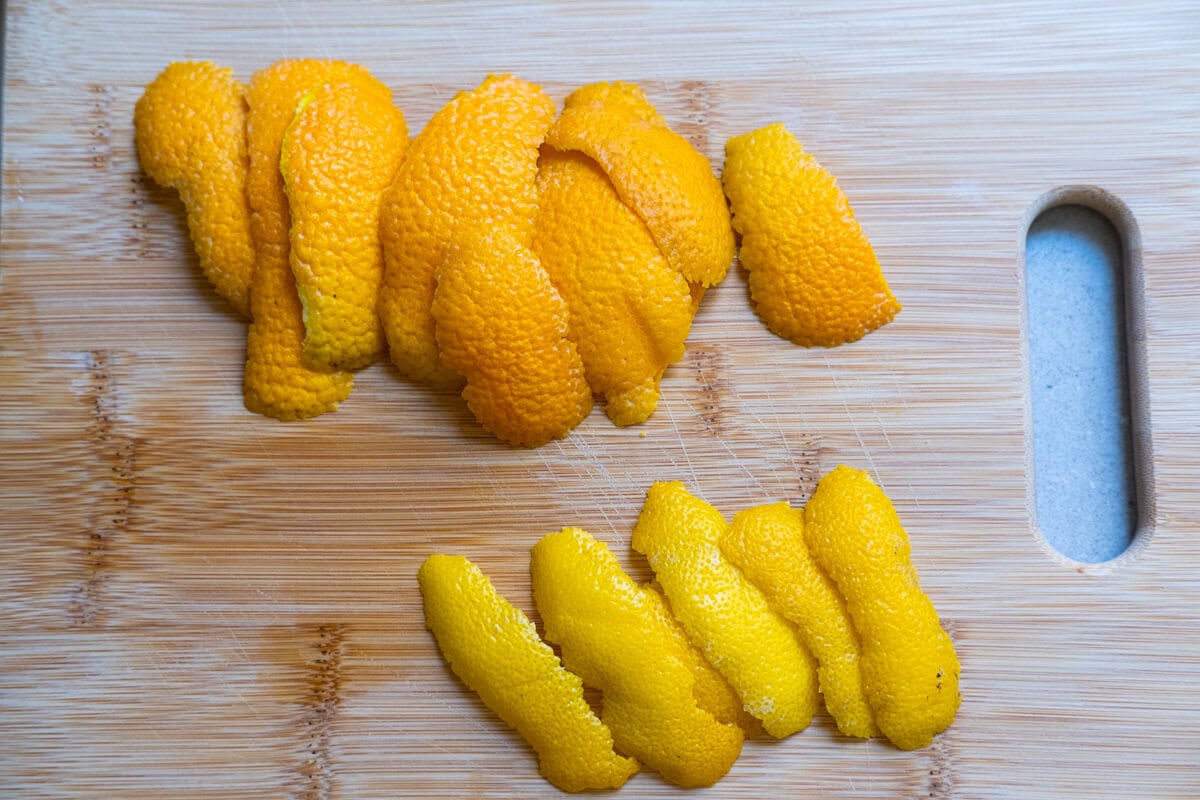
x=532, y=259
x=747, y=626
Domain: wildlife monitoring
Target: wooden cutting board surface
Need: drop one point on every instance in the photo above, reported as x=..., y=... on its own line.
x=200, y=602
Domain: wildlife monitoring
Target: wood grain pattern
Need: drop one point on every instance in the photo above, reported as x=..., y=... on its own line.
x=199, y=602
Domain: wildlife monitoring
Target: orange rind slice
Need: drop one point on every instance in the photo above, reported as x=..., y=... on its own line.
x=813, y=275
x=502, y=324
x=340, y=153
x=475, y=162
x=630, y=311
x=190, y=133
x=655, y=171
x=276, y=382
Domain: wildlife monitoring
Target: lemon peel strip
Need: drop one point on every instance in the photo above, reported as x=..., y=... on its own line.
x=767, y=544
x=728, y=618
x=612, y=635
x=494, y=648
x=910, y=670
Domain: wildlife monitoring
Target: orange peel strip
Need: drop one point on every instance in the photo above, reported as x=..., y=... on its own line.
x=814, y=278
x=475, y=161
x=630, y=311
x=656, y=172
x=190, y=133
x=501, y=323
x=339, y=155
x=275, y=381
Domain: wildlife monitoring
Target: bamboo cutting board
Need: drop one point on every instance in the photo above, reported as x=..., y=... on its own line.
x=199, y=602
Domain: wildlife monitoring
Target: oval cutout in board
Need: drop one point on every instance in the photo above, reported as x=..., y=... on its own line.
x=1087, y=426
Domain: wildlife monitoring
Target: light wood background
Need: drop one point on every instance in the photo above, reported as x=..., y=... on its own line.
x=199, y=602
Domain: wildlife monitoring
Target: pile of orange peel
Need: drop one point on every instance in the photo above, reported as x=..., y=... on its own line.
x=530, y=258
x=747, y=626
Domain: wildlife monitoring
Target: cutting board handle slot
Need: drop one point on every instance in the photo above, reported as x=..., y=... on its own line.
x=1087, y=426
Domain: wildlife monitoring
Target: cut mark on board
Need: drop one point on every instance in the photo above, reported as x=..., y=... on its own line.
x=941, y=776
x=100, y=125
x=111, y=519
x=1084, y=334
x=713, y=391
x=321, y=705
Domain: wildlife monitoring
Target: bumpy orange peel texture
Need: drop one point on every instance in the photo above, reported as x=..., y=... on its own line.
x=475, y=162
x=726, y=616
x=814, y=278
x=909, y=667
x=276, y=382
x=339, y=155
x=657, y=172
x=502, y=324
x=612, y=636
x=630, y=310
x=767, y=543
x=190, y=132
x=494, y=648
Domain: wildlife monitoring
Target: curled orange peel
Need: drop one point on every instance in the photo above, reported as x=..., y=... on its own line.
x=190, y=133
x=276, y=382
x=474, y=162
x=502, y=324
x=630, y=311
x=813, y=275
x=339, y=154
x=656, y=172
